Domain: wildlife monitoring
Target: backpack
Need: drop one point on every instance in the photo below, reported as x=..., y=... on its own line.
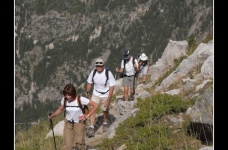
x=85, y=109
x=123, y=73
x=144, y=62
x=106, y=73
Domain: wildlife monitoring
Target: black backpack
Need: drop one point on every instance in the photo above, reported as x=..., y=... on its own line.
x=144, y=62
x=123, y=73
x=106, y=73
x=133, y=61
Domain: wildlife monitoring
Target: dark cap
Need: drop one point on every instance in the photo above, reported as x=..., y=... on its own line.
x=126, y=54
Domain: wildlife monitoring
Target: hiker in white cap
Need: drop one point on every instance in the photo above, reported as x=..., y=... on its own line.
x=144, y=67
x=103, y=83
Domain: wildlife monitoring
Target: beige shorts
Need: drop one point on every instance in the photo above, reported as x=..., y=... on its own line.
x=101, y=101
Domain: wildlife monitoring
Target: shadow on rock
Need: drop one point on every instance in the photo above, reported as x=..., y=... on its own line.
x=99, y=121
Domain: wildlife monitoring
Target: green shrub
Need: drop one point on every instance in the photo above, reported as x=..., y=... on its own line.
x=147, y=130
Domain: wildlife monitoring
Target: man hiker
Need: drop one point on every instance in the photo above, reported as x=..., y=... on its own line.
x=103, y=83
x=130, y=66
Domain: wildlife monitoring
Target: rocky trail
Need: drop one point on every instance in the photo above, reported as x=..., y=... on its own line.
x=99, y=135
x=116, y=115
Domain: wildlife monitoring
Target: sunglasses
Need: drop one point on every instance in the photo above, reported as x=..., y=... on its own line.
x=99, y=62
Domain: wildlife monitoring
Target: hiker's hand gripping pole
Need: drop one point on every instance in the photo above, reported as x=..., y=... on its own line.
x=51, y=125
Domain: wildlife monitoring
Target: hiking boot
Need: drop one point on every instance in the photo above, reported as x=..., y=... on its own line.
x=105, y=127
x=131, y=98
x=90, y=132
x=80, y=147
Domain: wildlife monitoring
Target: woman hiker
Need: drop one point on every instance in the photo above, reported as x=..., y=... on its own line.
x=74, y=122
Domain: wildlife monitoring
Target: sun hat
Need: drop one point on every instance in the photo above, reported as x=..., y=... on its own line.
x=143, y=57
x=99, y=62
x=126, y=54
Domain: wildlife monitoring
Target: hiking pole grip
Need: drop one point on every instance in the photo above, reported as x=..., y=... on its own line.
x=50, y=121
x=51, y=125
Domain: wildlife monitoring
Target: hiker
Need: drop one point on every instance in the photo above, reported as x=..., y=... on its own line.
x=74, y=122
x=130, y=68
x=144, y=68
x=103, y=86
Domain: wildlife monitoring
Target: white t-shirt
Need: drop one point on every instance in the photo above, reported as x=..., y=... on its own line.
x=73, y=113
x=99, y=82
x=129, y=66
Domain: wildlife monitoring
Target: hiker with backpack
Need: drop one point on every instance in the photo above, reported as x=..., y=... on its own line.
x=144, y=68
x=129, y=66
x=74, y=122
x=103, y=83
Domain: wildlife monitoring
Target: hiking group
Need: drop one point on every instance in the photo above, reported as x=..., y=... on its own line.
x=130, y=69
x=102, y=81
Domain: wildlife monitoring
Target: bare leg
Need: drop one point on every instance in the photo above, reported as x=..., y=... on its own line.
x=140, y=80
x=106, y=113
x=132, y=91
x=105, y=122
x=126, y=93
x=92, y=117
x=90, y=132
x=144, y=77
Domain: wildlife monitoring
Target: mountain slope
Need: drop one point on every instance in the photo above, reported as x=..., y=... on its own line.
x=57, y=41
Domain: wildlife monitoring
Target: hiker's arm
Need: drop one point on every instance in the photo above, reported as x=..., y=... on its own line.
x=57, y=112
x=119, y=70
x=109, y=96
x=139, y=63
x=136, y=66
x=88, y=87
x=94, y=108
x=137, y=69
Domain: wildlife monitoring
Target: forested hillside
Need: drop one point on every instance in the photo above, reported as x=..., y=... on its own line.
x=57, y=41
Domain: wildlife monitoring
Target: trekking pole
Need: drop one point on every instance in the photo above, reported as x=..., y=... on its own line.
x=51, y=125
x=115, y=75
